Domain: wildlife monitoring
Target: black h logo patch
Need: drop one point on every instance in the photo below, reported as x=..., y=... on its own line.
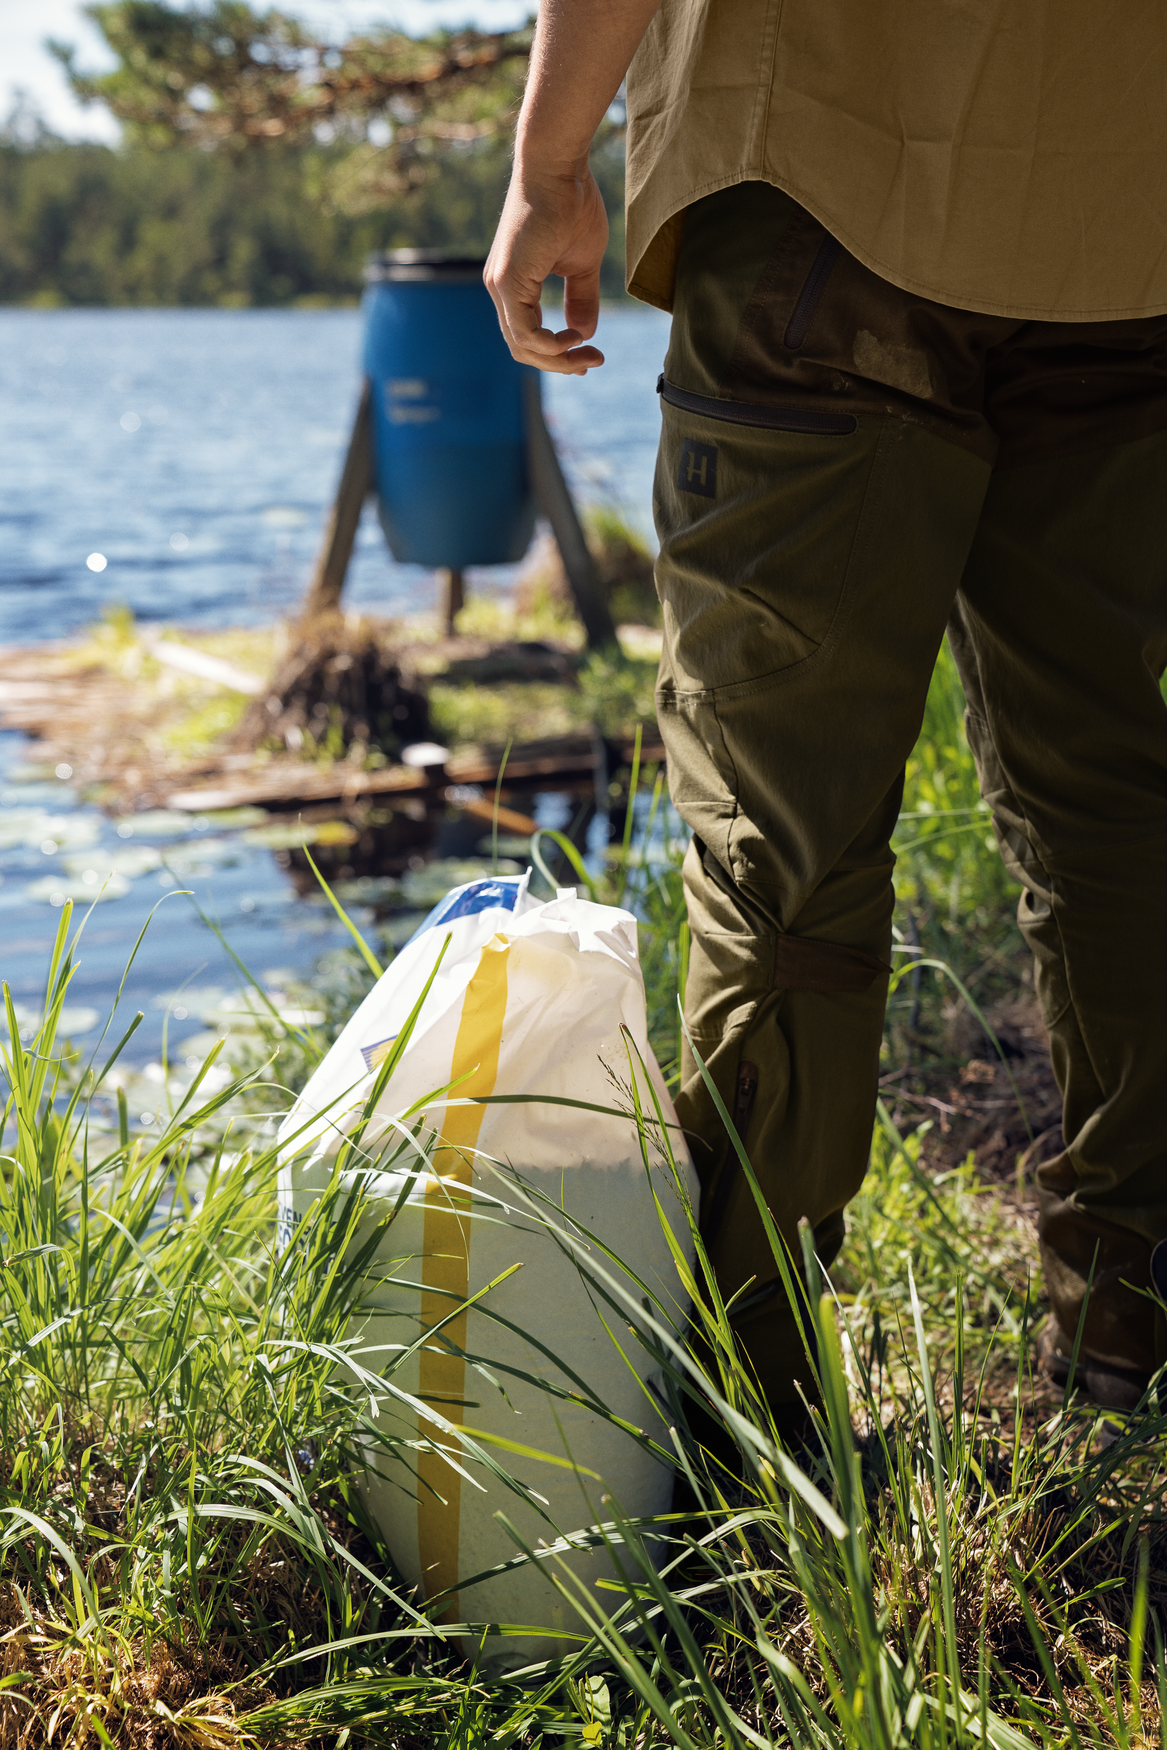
x=698, y=469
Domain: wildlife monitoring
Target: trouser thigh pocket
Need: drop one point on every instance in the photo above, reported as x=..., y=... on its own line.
x=756, y=528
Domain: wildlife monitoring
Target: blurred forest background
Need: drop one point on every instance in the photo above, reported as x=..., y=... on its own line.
x=259, y=165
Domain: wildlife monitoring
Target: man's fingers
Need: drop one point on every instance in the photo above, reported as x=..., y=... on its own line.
x=560, y=352
x=542, y=340
x=574, y=363
x=551, y=352
x=521, y=317
x=532, y=344
x=522, y=326
x=581, y=302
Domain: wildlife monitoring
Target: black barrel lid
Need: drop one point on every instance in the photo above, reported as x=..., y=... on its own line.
x=422, y=264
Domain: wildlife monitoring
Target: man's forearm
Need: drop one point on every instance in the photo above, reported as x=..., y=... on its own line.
x=579, y=58
x=553, y=220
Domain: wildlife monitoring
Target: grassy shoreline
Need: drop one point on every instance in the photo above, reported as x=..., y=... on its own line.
x=184, y=1560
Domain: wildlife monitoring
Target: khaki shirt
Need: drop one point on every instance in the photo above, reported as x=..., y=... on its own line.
x=997, y=156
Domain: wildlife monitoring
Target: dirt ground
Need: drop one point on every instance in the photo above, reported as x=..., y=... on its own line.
x=1003, y=1106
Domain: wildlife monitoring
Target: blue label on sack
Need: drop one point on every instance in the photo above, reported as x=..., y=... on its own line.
x=495, y=893
x=375, y=1055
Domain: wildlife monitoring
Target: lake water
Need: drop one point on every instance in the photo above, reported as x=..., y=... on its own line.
x=198, y=452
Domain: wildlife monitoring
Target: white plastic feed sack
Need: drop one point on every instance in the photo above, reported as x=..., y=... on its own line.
x=529, y=999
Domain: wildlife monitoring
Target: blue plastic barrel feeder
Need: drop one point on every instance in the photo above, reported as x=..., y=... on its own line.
x=448, y=428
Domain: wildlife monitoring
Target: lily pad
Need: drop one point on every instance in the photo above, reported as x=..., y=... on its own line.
x=22, y=826
x=232, y=819
x=509, y=845
x=366, y=890
x=56, y=889
x=71, y=1021
x=38, y=772
x=34, y=826
x=245, y=1011
x=284, y=835
x=195, y=1047
x=198, y=1000
x=336, y=832
x=160, y=823
x=203, y=855
x=424, y=887
x=128, y=860
x=267, y=901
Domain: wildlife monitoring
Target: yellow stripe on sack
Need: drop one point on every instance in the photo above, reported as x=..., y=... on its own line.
x=445, y=1269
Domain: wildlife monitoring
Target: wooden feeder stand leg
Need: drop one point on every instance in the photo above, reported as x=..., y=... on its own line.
x=356, y=482
x=455, y=592
x=555, y=501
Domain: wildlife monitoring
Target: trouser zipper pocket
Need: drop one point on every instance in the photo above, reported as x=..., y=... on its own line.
x=743, y=1105
x=808, y=299
x=800, y=419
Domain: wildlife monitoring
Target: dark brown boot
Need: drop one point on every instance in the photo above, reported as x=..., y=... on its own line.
x=1110, y=1387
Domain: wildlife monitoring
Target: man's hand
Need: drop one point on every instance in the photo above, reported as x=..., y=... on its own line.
x=553, y=220
x=550, y=224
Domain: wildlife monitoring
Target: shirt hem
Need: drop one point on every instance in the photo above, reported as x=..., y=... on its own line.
x=656, y=287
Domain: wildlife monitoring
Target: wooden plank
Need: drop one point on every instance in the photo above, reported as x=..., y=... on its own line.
x=565, y=758
x=509, y=819
x=338, y=785
x=548, y=766
x=206, y=668
x=284, y=785
x=29, y=692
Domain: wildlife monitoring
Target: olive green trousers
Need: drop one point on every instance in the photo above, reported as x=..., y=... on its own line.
x=845, y=470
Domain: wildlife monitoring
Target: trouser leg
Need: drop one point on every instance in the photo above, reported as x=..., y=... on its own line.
x=796, y=1067
x=1060, y=634
x=803, y=606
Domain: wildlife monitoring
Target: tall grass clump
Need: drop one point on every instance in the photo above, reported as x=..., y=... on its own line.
x=174, y=1474
x=951, y=1559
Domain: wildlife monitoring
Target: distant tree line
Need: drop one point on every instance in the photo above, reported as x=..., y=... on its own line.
x=84, y=224
x=260, y=166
